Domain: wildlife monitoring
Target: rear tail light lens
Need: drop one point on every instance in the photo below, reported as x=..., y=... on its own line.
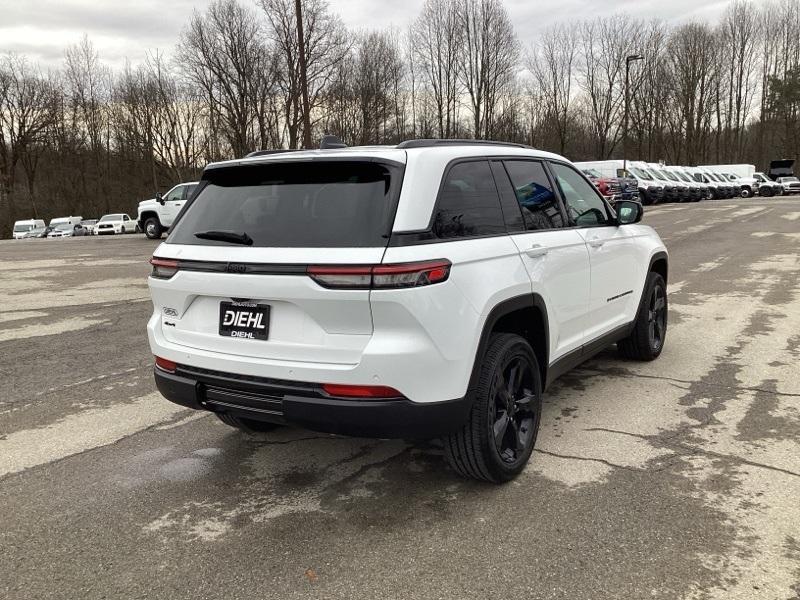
x=349, y=277
x=376, y=277
x=163, y=268
x=360, y=391
x=166, y=365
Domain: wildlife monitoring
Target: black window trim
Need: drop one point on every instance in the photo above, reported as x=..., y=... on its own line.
x=610, y=214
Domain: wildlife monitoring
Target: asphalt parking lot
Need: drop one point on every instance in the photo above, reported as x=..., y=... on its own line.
x=674, y=479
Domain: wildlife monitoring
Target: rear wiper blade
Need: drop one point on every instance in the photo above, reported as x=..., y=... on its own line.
x=226, y=236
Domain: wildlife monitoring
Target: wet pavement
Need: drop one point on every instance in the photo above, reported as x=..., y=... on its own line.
x=673, y=479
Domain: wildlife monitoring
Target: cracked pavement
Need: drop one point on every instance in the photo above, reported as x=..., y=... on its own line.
x=673, y=479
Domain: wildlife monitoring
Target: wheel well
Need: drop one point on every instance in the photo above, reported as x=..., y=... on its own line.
x=529, y=323
x=660, y=266
x=148, y=214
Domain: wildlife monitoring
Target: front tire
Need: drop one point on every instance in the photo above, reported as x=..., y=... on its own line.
x=646, y=341
x=153, y=229
x=498, y=438
x=248, y=425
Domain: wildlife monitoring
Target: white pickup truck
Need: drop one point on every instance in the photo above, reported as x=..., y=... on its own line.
x=156, y=215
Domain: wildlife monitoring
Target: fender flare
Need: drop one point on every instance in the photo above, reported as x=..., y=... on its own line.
x=506, y=307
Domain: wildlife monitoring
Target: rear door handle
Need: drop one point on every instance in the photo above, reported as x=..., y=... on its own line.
x=536, y=250
x=596, y=242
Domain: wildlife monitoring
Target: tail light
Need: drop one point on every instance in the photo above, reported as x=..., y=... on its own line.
x=166, y=365
x=360, y=391
x=377, y=277
x=163, y=268
x=602, y=185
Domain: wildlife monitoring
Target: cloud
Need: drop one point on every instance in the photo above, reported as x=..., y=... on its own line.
x=42, y=29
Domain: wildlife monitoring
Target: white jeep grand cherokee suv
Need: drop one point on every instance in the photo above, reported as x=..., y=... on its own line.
x=431, y=289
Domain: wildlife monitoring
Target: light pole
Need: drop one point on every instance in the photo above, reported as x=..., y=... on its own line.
x=628, y=60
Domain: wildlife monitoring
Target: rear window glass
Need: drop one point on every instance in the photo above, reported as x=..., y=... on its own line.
x=295, y=205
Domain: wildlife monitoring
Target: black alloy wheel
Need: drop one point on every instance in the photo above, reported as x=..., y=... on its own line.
x=513, y=410
x=657, y=318
x=499, y=435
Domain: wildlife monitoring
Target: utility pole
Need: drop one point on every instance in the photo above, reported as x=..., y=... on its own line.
x=628, y=61
x=301, y=47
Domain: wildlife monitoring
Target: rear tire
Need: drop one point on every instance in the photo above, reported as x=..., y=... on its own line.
x=646, y=341
x=153, y=229
x=248, y=425
x=498, y=438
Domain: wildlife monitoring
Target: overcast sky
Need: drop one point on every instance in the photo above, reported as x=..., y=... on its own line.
x=42, y=29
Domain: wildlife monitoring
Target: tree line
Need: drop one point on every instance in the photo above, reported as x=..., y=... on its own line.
x=87, y=139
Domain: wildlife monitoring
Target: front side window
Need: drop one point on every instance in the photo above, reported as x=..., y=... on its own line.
x=535, y=195
x=584, y=205
x=175, y=193
x=468, y=204
x=319, y=204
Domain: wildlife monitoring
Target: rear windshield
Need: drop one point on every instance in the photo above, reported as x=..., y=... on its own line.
x=332, y=204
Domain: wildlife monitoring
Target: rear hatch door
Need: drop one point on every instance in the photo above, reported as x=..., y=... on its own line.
x=254, y=298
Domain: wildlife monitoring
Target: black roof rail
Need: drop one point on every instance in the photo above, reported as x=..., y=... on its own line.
x=329, y=142
x=268, y=152
x=428, y=143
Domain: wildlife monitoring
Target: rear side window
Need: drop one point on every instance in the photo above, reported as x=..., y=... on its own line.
x=468, y=204
x=333, y=204
x=535, y=195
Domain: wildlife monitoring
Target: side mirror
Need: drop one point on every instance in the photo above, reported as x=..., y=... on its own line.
x=160, y=197
x=628, y=212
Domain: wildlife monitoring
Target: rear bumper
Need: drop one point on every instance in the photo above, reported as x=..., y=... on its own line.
x=306, y=405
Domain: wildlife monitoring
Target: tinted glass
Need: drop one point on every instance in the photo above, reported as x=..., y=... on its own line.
x=535, y=195
x=175, y=194
x=584, y=205
x=291, y=205
x=468, y=203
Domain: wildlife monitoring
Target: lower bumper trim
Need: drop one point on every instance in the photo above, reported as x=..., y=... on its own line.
x=302, y=406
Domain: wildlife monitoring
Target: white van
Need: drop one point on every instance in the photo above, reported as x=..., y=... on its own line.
x=741, y=171
x=67, y=220
x=22, y=228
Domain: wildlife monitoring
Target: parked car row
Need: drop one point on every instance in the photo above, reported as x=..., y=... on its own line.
x=62, y=227
x=652, y=183
x=649, y=183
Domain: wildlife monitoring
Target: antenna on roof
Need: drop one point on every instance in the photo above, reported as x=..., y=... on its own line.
x=330, y=142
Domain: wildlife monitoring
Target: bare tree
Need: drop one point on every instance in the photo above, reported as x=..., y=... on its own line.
x=606, y=42
x=694, y=66
x=488, y=60
x=437, y=43
x=740, y=36
x=552, y=62
x=325, y=45
x=26, y=111
x=223, y=53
